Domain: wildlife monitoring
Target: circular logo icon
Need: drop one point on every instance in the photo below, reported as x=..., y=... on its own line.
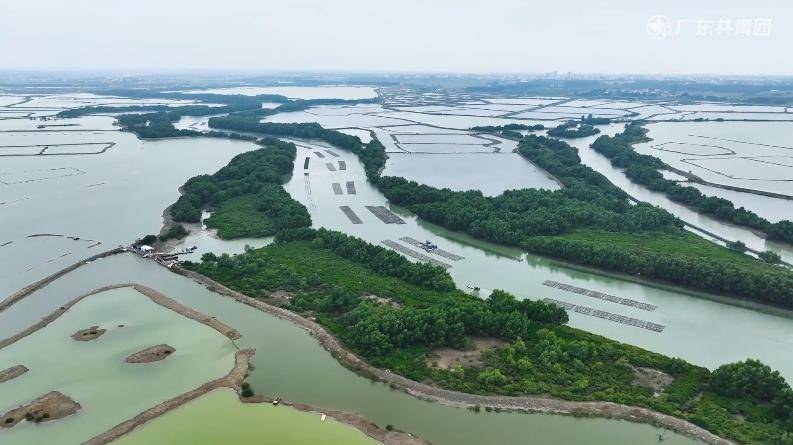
x=659, y=27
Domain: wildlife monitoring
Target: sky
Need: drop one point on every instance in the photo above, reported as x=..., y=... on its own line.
x=497, y=36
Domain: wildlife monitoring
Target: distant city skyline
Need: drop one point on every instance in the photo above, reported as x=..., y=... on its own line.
x=727, y=37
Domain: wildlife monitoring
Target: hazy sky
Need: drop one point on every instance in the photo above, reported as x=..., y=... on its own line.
x=724, y=36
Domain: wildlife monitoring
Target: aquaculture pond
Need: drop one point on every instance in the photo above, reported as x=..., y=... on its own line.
x=219, y=417
x=771, y=208
x=94, y=373
x=59, y=209
x=70, y=203
x=291, y=364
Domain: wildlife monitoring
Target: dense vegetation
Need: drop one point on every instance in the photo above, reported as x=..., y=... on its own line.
x=511, y=131
x=574, y=129
x=644, y=169
x=590, y=221
x=159, y=123
x=395, y=313
x=176, y=231
x=246, y=194
x=372, y=155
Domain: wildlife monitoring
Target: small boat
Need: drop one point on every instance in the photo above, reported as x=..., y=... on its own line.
x=428, y=246
x=474, y=288
x=276, y=401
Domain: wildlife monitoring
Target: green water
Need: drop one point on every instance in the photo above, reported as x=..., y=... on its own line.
x=219, y=417
x=291, y=364
x=94, y=374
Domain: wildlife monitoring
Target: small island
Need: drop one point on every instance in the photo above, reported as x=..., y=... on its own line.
x=152, y=354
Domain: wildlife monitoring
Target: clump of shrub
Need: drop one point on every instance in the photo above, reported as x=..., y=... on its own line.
x=177, y=231
x=247, y=391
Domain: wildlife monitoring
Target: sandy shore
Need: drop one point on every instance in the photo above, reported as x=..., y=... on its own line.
x=458, y=399
x=155, y=296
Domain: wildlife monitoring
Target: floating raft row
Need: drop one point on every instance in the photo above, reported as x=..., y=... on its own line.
x=305, y=163
x=330, y=166
x=342, y=165
x=439, y=252
x=413, y=254
x=601, y=296
x=607, y=315
x=336, y=188
x=332, y=153
x=351, y=215
x=385, y=215
x=319, y=154
x=351, y=188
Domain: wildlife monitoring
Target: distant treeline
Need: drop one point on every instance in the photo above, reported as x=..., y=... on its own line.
x=159, y=123
x=644, y=169
x=769, y=92
x=578, y=129
x=511, y=131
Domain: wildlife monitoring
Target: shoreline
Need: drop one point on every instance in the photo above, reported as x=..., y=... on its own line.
x=153, y=295
x=232, y=380
x=30, y=288
x=429, y=393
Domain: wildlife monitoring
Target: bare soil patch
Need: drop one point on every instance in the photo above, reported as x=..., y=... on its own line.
x=382, y=300
x=12, y=373
x=279, y=297
x=89, y=334
x=652, y=378
x=152, y=354
x=448, y=358
x=50, y=406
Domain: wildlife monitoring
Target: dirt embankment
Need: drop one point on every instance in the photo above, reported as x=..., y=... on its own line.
x=12, y=373
x=187, y=311
x=453, y=398
x=233, y=379
x=50, y=406
x=29, y=289
x=383, y=435
x=155, y=296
